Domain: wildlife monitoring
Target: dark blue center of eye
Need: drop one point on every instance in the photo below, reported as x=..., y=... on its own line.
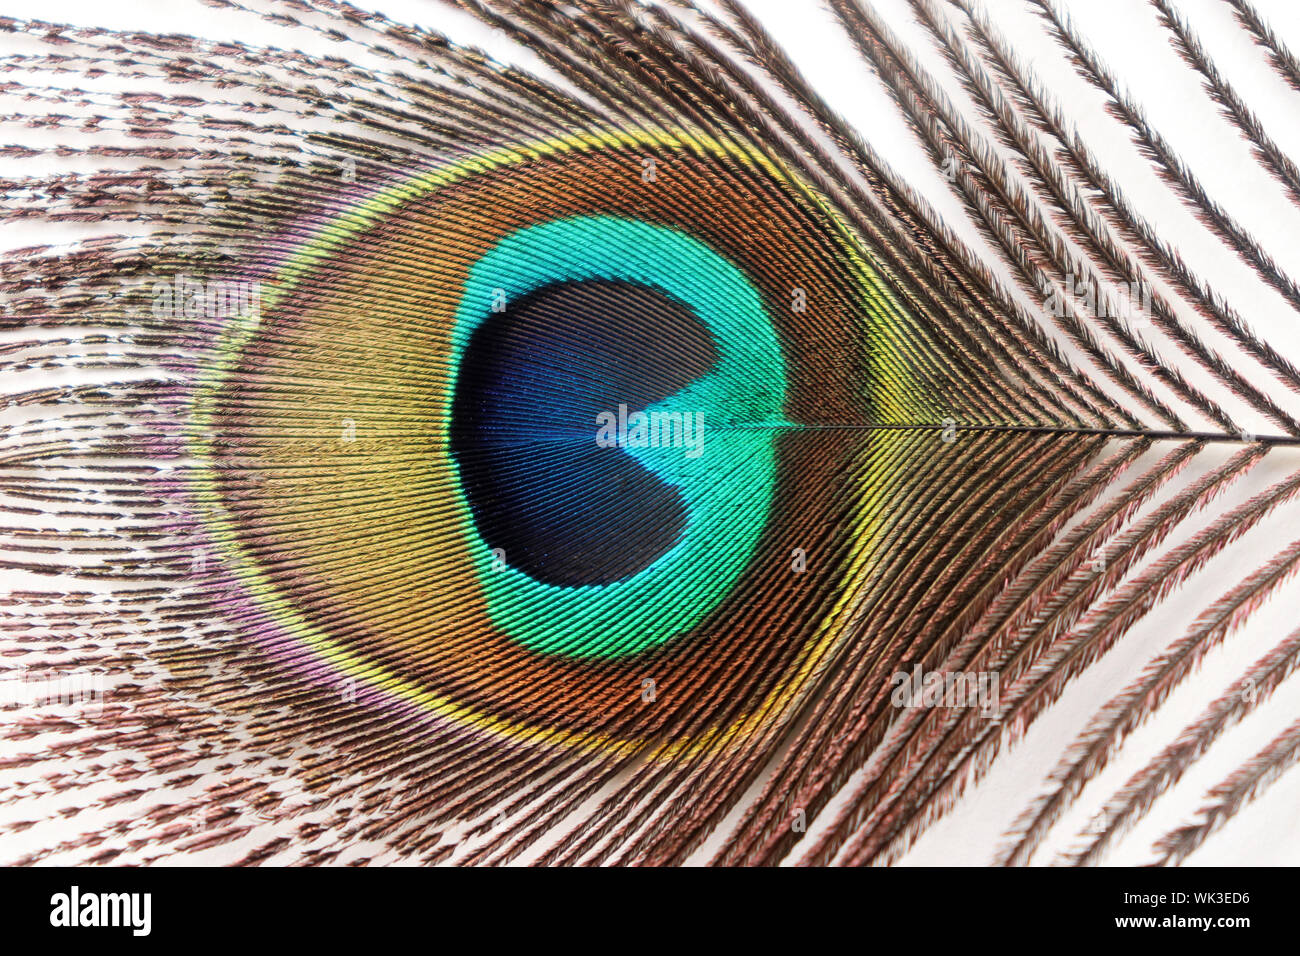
x=532, y=381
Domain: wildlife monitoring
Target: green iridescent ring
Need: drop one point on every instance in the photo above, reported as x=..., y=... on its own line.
x=739, y=464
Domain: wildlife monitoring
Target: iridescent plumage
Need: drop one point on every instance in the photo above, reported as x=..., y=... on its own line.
x=467, y=462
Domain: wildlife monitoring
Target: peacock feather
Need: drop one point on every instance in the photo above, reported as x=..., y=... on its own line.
x=650, y=432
